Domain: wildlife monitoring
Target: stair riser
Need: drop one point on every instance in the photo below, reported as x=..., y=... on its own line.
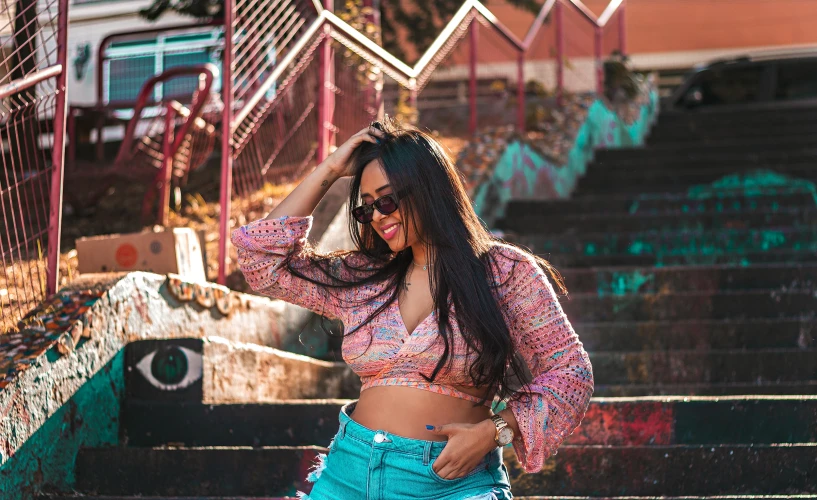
x=701, y=336
x=598, y=471
x=738, y=161
x=682, y=134
x=573, y=471
x=572, y=260
x=776, y=145
x=638, y=223
x=668, y=307
x=646, y=206
x=619, y=423
x=704, y=244
x=712, y=390
x=703, y=368
x=650, y=280
x=153, y=423
x=675, y=181
x=194, y=472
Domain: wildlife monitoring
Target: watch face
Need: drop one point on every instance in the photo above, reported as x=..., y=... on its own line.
x=505, y=436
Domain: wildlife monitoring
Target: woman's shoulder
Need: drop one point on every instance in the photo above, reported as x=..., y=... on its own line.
x=507, y=253
x=511, y=261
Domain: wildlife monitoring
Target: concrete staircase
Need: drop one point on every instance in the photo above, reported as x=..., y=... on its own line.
x=695, y=294
x=692, y=272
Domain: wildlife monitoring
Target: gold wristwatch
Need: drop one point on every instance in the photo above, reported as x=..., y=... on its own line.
x=504, y=434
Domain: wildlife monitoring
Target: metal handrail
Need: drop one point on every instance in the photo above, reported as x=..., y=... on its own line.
x=411, y=73
x=208, y=70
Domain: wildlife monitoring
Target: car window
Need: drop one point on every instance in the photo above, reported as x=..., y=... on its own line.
x=796, y=80
x=727, y=85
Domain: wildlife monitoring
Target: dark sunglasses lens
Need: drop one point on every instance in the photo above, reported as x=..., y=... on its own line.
x=386, y=205
x=362, y=215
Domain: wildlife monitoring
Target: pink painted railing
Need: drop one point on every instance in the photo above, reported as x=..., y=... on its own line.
x=32, y=125
x=276, y=132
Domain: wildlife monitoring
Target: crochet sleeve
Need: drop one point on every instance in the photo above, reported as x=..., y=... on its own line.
x=562, y=377
x=263, y=245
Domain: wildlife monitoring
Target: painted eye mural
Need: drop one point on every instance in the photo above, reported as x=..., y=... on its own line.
x=164, y=369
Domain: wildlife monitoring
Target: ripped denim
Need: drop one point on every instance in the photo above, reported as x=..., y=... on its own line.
x=366, y=464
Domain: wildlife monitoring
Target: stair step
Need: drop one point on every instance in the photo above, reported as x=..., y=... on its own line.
x=688, y=420
x=720, y=118
x=625, y=281
x=735, y=305
x=634, y=421
x=737, y=159
x=740, y=146
x=663, y=203
x=704, y=367
x=285, y=423
x=564, y=260
x=574, y=470
x=702, y=335
x=600, y=222
x=195, y=471
x=674, y=134
x=672, y=470
x=713, y=242
x=678, y=180
x=706, y=389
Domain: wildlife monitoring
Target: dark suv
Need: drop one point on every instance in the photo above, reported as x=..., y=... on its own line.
x=748, y=80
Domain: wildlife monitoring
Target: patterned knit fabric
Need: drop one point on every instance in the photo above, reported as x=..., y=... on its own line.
x=562, y=377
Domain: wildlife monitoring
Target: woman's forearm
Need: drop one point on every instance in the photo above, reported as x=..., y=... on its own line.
x=306, y=195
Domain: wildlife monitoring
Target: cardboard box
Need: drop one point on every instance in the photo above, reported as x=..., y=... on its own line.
x=174, y=250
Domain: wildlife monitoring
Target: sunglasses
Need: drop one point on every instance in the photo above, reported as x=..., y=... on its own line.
x=386, y=204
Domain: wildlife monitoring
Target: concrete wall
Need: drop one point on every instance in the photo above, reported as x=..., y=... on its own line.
x=60, y=403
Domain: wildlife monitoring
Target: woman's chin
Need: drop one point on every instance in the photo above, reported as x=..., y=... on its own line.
x=395, y=245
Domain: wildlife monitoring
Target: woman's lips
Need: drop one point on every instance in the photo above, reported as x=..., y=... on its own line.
x=390, y=232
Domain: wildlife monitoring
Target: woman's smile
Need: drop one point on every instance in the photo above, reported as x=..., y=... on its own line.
x=389, y=230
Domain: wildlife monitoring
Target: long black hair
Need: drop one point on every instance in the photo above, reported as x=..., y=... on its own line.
x=460, y=254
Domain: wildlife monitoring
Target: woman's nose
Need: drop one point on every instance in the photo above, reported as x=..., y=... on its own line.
x=376, y=215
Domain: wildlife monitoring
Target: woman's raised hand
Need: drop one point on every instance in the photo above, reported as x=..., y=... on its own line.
x=338, y=162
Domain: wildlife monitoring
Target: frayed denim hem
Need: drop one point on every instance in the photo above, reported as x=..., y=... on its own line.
x=313, y=474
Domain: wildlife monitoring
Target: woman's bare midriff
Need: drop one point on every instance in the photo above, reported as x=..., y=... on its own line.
x=405, y=411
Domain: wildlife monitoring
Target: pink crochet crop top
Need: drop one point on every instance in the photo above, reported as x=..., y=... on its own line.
x=562, y=377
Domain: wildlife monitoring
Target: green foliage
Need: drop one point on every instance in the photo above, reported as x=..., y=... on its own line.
x=620, y=83
x=421, y=19
x=199, y=9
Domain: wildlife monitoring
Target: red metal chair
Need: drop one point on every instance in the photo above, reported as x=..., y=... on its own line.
x=164, y=141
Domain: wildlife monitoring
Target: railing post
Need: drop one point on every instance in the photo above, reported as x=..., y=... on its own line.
x=599, y=68
x=326, y=102
x=472, y=77
x=226, y=139
x=167, y=165
x=560, y=52
x=520, y=93
x=622, y=28
x=58, y=154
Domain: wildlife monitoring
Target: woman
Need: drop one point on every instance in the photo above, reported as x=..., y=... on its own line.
x=440, y=319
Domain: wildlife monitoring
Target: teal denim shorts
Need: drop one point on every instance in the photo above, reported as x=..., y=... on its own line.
x=366, y=464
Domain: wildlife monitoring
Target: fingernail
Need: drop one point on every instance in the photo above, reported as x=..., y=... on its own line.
x=430, y=427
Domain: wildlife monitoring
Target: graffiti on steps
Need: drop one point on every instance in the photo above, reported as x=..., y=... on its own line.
x=55, y=322
x=751, y=184
x=525, y=170
x=623, y=282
